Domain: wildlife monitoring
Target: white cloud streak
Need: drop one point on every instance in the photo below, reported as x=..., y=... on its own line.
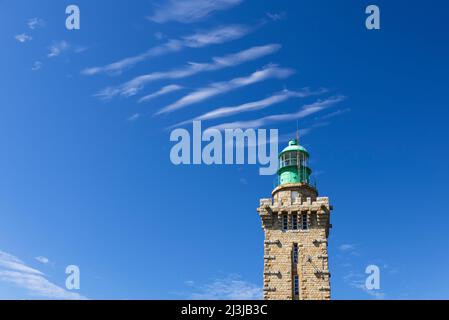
x=35, y=23
x=42, y=260
x=188, y=11
x=229, y=288
x=277, y=16
x=37, y=65
x=256, y=105
x=135, y=85
x=16, y=272
x=22, y=38
x=347, y=247
x=304, y=131
x=223, y=87
x=320, y=122
x=336, y=113
x=57, y=48
x=302, y=113
x=134, y=117
x=357, y=280
x=165, y=90
x=198, y=40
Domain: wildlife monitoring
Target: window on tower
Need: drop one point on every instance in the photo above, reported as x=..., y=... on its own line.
x=304, y=223
x=296, y=286
x=294, y=160
x=295, y=196
x=294, y=221
x=287, y=159
x=295, y=253
x=285, y=222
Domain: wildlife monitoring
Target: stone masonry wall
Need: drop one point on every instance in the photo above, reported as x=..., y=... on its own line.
x=312, y=267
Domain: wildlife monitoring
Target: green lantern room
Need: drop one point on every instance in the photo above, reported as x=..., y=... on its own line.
x=293, y=164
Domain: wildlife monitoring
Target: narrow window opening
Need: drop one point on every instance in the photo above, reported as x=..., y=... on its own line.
x=295, y=196
x=296, y=286
x=284, y=222
x=295, y=253
x=305, y=225
x=294, y=221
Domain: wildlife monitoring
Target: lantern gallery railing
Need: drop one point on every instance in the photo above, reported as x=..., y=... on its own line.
x=311, y=181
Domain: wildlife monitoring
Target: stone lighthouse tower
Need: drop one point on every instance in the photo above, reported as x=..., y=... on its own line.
x=296, y=224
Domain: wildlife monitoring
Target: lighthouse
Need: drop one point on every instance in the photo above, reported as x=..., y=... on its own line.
x=296, y=224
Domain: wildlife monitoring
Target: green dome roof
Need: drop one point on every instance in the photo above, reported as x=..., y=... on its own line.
x=294, y=146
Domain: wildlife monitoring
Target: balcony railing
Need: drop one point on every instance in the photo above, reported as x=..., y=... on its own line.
x=311, y=181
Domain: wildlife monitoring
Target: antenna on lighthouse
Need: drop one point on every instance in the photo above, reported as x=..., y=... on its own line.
x=298, y=156
x=297, y=131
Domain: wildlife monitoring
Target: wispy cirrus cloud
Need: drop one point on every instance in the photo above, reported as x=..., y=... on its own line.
x=188, y=11
x=23, y=37
x=357, y=280
x=16, y=272
x=347, y=247
x=133, y=86
x=312, y=127
x=319, y=122
x=197, y=40
x=256, y=105
x=302, y=132
x=232, y=287
x=335, y=113
x=165, y=90
x=37, y=65
x=358, y=275
x=43, y=260
x=35, y=23
x=57, y=48
x=218, y=88
x=277, y=16
x=134, y=117
x=305, y=111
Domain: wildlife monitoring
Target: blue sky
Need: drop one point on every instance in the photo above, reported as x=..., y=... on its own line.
x=86, y=177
